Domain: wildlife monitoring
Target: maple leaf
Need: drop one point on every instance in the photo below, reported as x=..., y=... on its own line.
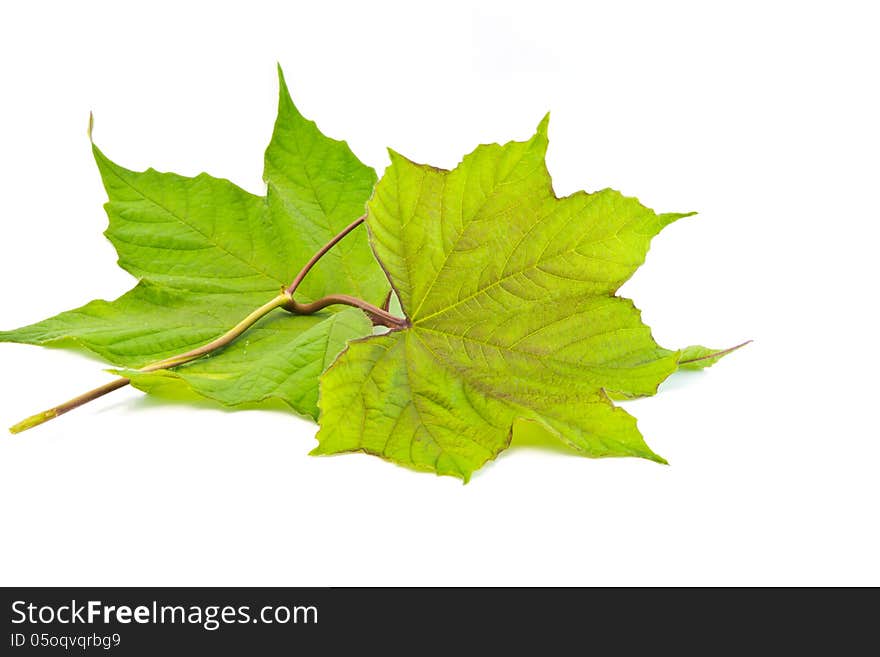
x=513, y=320
x=206, y=253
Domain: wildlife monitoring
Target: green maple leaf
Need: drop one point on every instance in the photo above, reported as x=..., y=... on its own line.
x=206, y=253
x=514, y=322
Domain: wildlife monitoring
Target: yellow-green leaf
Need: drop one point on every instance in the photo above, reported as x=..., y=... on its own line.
x=510, y=295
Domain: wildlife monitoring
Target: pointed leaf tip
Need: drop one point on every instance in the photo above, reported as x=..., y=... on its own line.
x=283, y=91
x=397, y=157
x=91, y=126
x=697, y=357
x=542, y=125
x=667, y=218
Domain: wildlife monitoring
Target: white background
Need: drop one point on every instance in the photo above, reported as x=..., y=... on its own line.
x=762, y=116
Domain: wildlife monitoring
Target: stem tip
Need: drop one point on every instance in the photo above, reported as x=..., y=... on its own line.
x=33, y=421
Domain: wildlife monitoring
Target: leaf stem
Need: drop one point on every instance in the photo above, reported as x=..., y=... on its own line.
x=284, y=300
x=223, y=340
x=321, y=252
x=85, y=398
x=379, y=316
x=376, y=314
x=173, y=361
